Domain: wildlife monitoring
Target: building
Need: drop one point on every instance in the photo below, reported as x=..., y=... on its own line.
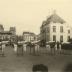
x=13, y=36
x=54, y=28
x=13, y=30
x=38, y=37
x=29, y=36
x=5, y=35
x=1, y=28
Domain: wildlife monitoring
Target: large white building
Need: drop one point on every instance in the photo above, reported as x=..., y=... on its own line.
x=55, y=29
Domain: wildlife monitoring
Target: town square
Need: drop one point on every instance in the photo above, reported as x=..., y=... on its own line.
x=35, y=36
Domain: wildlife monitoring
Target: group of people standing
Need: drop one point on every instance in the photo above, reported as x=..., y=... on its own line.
x=54, y=47
x=34, y=48
x=21, y=49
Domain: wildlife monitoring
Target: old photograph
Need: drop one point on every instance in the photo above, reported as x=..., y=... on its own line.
x=35, y=35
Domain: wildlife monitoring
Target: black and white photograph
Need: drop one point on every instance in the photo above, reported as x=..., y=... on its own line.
x=35, y=35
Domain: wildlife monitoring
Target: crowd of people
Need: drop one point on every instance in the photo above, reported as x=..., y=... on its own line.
x=34, y=48
x=54, y=47
x=19, y=48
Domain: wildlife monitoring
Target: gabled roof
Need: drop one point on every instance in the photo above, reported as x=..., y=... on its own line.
x=55, y=19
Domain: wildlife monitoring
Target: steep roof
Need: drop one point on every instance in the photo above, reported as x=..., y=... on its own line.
x=55, y=19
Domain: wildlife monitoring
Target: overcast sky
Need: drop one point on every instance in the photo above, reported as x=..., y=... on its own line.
x=27, y=15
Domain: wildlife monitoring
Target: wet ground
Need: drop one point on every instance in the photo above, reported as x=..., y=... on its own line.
x=13, y=63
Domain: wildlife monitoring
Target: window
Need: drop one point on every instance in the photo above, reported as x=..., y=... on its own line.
x=54, y=28
x=61, y=29
x=61, y=38
x=68, y=31
x=54, y=37
x=68, y=38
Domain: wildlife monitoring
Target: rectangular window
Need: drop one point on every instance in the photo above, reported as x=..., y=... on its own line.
x=54, y=37
x=68, y=31
x=54, y=28
x=68, y=38
x=61, y=38
x=61, y=29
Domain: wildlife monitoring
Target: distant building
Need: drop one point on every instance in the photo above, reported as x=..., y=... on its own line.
x=55, y=29
x=5, y=35
x=38, y=37
x=13, y=36
x=29, y=36
x=13, y=30
x=1, y=28
x=20, y=38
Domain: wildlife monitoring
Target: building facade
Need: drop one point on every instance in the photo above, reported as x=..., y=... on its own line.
x=13, y=30
x=55, y=29
x=13, y=36
x=29, y=36
x=7, y=35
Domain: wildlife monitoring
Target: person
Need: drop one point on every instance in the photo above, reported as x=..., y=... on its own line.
x=60, y=48
x=15, y=48
x=37, y=49
x=24, y=47
x=58, y=45
x=40, y=68
x=55, y=48
x=3, y=48
x=48, y=48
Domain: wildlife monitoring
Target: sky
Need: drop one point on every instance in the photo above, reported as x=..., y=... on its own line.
x=28, y=15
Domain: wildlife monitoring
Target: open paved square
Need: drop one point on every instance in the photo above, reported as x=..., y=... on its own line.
x=13, y=63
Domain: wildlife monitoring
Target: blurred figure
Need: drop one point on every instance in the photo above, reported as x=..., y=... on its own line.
x=60, y=48
x=55, y=48
x=48, y=48
x=15, y=48
x=68, y=68
x=3, y=48
x=40, y=68
x=24, y=47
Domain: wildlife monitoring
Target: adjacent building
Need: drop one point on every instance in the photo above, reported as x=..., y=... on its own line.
x=29, y=36
x=4, y=35
x=54, y=28
x=7, y=35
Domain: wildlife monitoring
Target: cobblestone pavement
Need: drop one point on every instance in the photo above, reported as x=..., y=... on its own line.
x=13, y=63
